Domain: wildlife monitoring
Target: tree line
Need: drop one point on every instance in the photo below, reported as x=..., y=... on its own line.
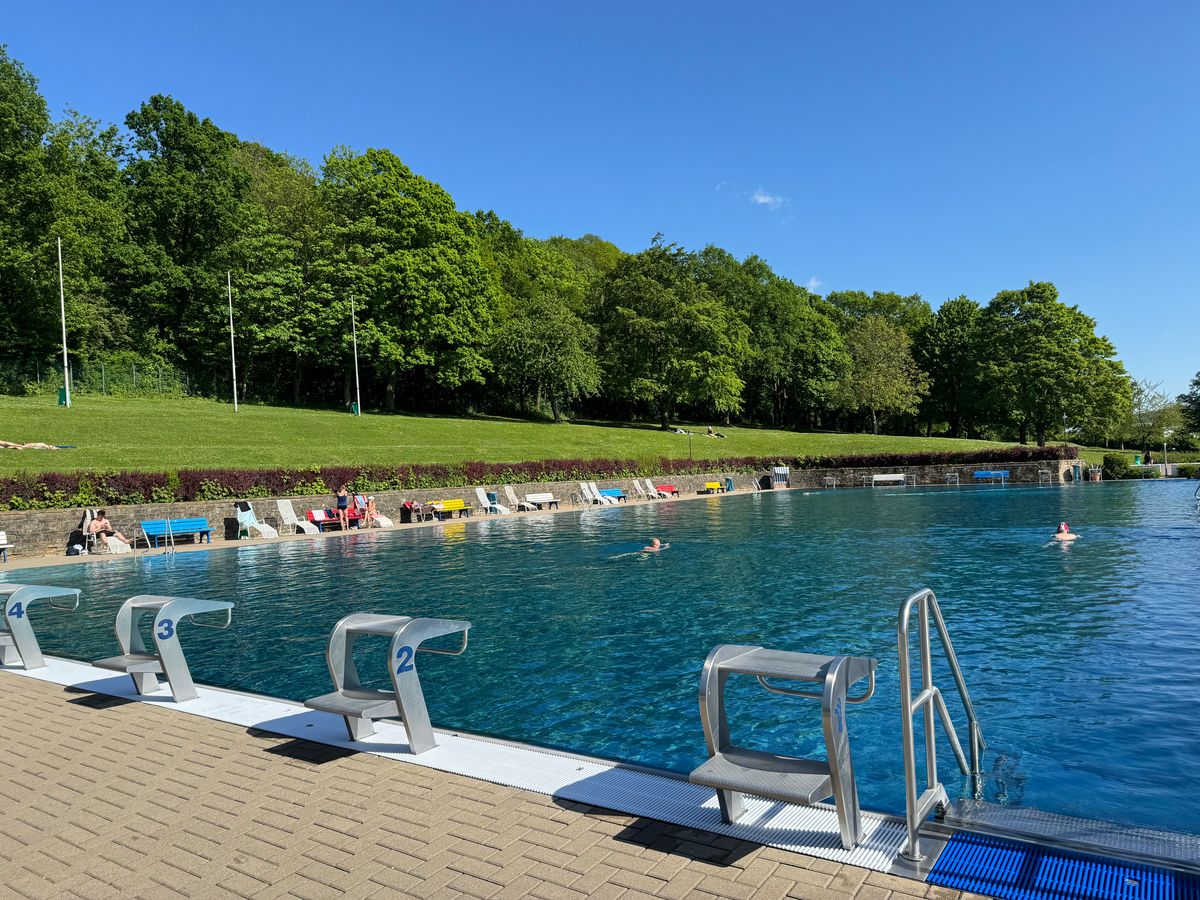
x=461, y=312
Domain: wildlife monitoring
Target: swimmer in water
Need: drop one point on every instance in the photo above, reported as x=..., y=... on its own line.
x=654, y=546
x=1064, y=533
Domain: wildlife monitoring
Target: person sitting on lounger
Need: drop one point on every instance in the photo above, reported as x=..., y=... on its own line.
x=101, y=526
x=654, y=546
x=1064, y=533
x=370, y=512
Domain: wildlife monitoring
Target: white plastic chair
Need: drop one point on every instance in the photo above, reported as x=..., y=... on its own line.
x=288, y=516
x=517, y=504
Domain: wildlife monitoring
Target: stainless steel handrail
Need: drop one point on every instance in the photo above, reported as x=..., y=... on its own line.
x=817, y=695
x=929, y=700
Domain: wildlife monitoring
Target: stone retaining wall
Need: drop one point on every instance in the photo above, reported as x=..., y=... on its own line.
x=38, y=532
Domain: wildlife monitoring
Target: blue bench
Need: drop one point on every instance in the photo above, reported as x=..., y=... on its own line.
x=156, y=530
x=1000, y=475
x=616, y=493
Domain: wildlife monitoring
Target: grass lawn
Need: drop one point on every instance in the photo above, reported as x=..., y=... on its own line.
x=167, y=434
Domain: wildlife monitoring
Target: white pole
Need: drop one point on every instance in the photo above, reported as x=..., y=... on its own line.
x=232, y=355
x=354, y=338
x=62, y=308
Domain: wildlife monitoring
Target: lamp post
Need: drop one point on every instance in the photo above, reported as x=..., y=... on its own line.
x=354, y=339
x=62, y=308
x=1167, y=432
x=232, y=349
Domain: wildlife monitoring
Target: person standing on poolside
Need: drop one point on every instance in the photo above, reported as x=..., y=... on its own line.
x=343, y=504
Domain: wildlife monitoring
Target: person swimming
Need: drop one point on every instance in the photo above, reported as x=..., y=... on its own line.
x=1064, y=533
x=654, y=546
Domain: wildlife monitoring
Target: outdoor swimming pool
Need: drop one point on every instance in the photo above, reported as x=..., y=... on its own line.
x=1081, y=660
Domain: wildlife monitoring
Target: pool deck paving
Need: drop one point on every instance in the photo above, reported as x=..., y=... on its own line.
x=104, y=797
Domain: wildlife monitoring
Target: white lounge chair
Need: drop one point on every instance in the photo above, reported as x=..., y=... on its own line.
x=638, y=490
x=486, y=504
x=607, y=501
x=655, y=492
x=5, y=546
x=115, y=544
x=248, y=521
x=518, y=504
x=288, y=516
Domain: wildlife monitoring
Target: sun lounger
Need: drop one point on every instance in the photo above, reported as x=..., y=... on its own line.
x=248, y=522
x=360, y=503
x=638, y=490
x=5, y=546
x=488, y=504
x=115, y=544
x=520, y=505
x=654, y=491
x=288, y=516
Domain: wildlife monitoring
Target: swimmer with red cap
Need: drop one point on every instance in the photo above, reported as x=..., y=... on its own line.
x=1064, y=533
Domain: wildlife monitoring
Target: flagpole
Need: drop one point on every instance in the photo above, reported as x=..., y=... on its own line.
x=354, y=338
x=232, y=354
x=62, y=308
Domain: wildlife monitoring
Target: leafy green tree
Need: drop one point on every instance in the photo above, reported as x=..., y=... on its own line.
x=185, y=211
x=1151, y=414
x=1046, y=365
x=664, y=338
x=282, y=297
x=948, y=350
x=410, y=255
x=546, y=348
x=907, y=311
x=883, y=377
x=1189, y=403
x=797, y=356
x=26, y=316
x=593, y=256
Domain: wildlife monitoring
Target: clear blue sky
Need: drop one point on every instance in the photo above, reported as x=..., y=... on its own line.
x=942, y=148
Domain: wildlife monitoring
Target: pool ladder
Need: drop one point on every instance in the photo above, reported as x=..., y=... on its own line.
x=927, y=702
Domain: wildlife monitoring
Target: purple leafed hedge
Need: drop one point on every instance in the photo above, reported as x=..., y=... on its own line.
x=53, y=490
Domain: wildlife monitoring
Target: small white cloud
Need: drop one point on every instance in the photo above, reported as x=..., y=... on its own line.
x=720, y=185
x=814, y=284
x=769, y=200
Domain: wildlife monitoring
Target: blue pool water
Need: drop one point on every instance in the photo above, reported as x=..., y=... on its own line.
x=1081, y=659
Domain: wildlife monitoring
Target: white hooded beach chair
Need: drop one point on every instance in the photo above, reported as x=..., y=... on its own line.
x=288, y=516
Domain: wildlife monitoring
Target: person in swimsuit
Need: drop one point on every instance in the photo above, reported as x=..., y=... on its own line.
x=101, y=526
x=654, y=546
x=343, y=505
x=1064, y=533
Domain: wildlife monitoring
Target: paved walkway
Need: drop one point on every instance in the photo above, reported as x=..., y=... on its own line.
x=102, y=797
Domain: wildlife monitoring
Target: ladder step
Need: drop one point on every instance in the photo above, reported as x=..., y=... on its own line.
x=130, y=663
x=360, y=703
x=786, y=778
x=780, y=664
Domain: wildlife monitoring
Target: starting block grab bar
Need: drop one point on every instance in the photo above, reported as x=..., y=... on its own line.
x=168, y=660
x=18, y=643
x=359, y=706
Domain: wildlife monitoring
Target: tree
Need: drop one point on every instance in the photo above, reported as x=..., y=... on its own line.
x=948, y=350
x=410, y=256
x=797, y=356
x=1045, y=363
x=883, y=377
x=547, y=348
x=1189, y=404
x=185, y=195
x=1151, y=414
x=907, y=311
x=665, y=340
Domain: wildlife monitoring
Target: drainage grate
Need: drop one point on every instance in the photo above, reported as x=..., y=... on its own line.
x=1012, y=871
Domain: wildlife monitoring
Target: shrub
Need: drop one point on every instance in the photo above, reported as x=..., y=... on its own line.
x=69, y=489
x=1191, y=470
x=1116, y=466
